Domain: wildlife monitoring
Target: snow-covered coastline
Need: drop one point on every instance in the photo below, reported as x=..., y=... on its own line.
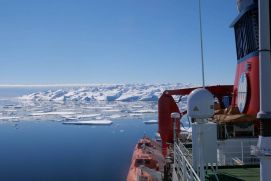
x=119, y=92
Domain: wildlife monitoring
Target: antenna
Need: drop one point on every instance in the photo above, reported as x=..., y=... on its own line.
x=201, y=46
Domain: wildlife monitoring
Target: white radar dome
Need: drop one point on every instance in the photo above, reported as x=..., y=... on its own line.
x=200, y=104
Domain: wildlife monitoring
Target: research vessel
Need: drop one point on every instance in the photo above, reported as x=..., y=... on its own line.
x=231, y=124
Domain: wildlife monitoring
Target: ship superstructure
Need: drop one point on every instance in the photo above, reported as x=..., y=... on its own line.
x=234, y=141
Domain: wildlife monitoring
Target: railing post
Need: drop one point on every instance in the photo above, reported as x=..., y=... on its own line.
x=242, y=147
x=186, y=177
x=191, y=176
x=175, y=116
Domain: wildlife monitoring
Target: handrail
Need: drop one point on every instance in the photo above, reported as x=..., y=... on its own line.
x=186, y=153
x=236, y=151
x=184, y=170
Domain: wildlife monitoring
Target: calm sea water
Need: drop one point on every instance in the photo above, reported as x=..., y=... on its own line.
x=52, y=151
x=49, y=150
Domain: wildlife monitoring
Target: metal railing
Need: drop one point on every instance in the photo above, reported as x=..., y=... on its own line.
x=230, y=152
x=182, y=165
x=186, y=153
x=236, y=152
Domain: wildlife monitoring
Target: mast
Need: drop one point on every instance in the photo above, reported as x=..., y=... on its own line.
x=201, y=46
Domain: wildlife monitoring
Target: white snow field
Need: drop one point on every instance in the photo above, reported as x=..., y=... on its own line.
x=88, y=105
x=122, y=92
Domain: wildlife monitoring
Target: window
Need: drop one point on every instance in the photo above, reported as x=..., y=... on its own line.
x=247, y=34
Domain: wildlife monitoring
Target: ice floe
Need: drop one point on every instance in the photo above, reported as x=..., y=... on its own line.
x=151, y=122
x=51, y=113
x=90, y=122
x=145, y=111
x=87, y=116
x=9, y=118
x=137, y=106
x=115, y=116
x=136, y=115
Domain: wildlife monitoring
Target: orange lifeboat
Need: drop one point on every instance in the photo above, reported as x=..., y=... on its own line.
x=147, y=162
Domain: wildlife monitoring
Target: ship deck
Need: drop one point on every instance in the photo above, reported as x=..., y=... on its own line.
x=249, y=172
x=236, y=174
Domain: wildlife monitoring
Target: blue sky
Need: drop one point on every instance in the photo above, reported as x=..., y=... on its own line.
x=115, y=41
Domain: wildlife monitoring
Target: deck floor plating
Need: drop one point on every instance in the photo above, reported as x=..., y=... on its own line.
x=236, y=174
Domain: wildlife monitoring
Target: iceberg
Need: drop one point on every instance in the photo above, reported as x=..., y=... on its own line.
x=119, y=92
x=97, y=102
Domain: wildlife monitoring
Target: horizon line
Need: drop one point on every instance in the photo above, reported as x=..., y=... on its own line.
x=74, y=85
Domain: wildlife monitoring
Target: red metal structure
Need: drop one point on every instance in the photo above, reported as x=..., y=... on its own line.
x=249, y=67
x=246, y=27
x=167, y=105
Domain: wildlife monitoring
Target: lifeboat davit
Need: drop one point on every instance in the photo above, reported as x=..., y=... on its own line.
x=147, y=162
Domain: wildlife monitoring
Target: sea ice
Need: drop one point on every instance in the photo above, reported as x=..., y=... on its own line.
x=9, y=118
x=96, y=102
